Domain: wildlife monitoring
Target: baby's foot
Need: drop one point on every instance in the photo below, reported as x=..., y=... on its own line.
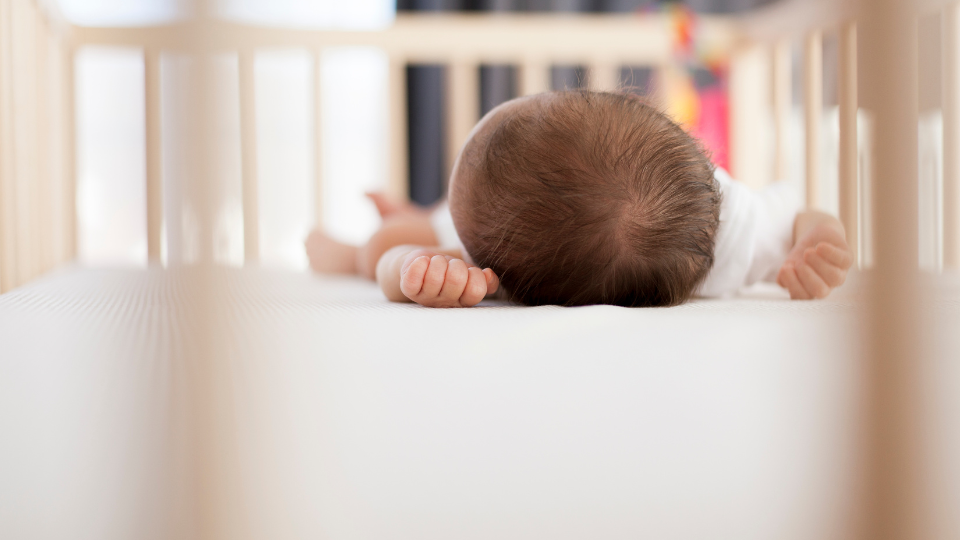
x=327, y=256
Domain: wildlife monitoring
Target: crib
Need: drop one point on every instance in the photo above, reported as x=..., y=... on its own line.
x=212, y=402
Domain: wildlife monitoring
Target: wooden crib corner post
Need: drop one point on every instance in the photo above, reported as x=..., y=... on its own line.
x=950, y=47
x=151, y=69
x=848, y=173
x=248, y=147
x=813, y=110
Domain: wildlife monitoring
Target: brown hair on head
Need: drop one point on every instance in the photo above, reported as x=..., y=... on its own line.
x=583, y=197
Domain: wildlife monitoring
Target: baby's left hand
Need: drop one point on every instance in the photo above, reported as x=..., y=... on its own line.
x=817, y=264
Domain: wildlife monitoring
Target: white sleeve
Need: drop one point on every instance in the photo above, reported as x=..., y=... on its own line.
x=442, y=223
x=754, y=237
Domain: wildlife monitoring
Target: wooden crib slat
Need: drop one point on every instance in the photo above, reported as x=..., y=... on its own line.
x=69, y=140
x=604, y=76
x=464, y=104
x=36, y=180
x=397, y=182
x=534, y=77
x=55, y=146
x=782, y=105
x=750, y=109
x=7, y=155
x=813, y=105
x=895, y=505
x=317, y=138
x=248, y=150
x=848, y=177
x=950, y=33
x=41, y=181
x=151, y=70
x=24, y=141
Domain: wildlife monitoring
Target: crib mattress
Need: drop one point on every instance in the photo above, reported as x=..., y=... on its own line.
x=324, y=411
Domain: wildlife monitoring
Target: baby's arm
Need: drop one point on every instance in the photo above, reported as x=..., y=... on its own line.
x=819, y=259
x=403, y=223
x=433, y=277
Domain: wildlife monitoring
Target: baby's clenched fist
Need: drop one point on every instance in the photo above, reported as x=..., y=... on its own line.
x=443, y=281
x=817, y=264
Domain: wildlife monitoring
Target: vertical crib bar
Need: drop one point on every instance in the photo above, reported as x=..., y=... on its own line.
x=248, y=149
x=534, y=77
x=24, y=111
x=7, y=155
x=813, y=97
x=950, y=35
x=782, y=104
x=318, y=138
x=56, y=144
x=750, y=111
x=41, y=200
x=464, y=90
x=604, y=76
x=849, y=179
x=893, y=491
x=69, y=141
x=397, y=184
x=37, y=117
x=151, y=71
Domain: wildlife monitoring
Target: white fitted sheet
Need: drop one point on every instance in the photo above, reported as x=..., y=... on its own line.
x=346, y=416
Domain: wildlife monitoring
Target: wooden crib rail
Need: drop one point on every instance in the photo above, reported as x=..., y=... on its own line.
x=533, y=42
x=442, y=38
x=462, y=42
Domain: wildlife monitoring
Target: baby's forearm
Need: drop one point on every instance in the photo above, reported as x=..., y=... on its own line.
x=409, y=228
x=391, y=262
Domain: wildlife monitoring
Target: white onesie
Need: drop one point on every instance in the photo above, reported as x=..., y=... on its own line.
x=755, y=234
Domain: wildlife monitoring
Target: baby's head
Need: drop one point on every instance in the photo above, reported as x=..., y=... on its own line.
x=582, y=197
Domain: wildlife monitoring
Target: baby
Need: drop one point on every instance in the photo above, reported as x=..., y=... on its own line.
x=580, y=197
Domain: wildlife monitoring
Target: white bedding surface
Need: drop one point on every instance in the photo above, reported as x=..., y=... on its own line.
x=335, y=414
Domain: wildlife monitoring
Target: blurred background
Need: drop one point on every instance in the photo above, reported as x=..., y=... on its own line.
x=354, y=122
